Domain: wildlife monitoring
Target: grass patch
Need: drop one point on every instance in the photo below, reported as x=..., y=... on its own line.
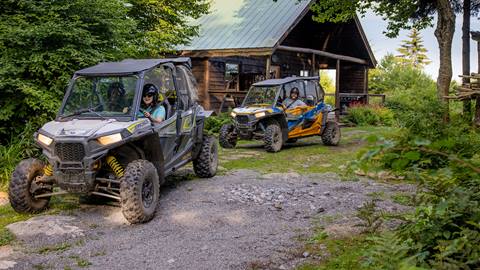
x=404, y=199
x=55, y=248
x=81, y=262
x=341, y=254
x=308, y=155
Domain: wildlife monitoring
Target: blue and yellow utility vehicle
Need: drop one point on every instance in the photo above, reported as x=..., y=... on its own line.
x=267, y=114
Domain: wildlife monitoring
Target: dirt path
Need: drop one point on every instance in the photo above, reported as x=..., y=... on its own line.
x=234, y=221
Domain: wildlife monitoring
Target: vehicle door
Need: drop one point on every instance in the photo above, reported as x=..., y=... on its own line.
x=186, y=112
x=162, y=78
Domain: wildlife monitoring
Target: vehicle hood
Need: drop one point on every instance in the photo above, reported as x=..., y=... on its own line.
x=252, y=110
x=88, y=128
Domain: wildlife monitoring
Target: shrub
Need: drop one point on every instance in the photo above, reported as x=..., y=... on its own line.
x=370, y=115
x=214, y=123
x=12, y=153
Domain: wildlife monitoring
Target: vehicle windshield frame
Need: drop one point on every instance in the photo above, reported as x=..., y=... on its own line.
x=277, y=92
x=126, y=117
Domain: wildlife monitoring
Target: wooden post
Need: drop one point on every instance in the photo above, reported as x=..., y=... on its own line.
x=337, y=92
x=467, y=104
x=365, y=84
x=268, y=67
x=206, y=95
x=314, y=65
x=477, y=100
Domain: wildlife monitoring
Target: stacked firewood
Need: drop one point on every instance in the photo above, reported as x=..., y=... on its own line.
x=470, y=88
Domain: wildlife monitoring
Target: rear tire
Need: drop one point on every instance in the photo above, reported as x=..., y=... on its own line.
x=273, y=137
x=227, y=136
x=139, y=191
x=331, y=135
x=21, y=199
x=206, y=163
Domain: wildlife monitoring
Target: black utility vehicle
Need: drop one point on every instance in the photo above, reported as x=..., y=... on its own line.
x=99, y=145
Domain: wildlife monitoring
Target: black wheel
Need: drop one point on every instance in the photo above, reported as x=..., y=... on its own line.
x=331, y=135
x=292, y=140
x=273, y=137
x=227, y=136
x=139, y=191
x=206, y=163
x=19, y=190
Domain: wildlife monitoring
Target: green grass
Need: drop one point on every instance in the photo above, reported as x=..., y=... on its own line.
x=341, y=254
x=308, y=155
x=55, y=248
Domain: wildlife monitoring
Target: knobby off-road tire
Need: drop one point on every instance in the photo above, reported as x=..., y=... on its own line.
x=21, y=199
x=331, y=135
x=139, y=191
x=206, y=163
x=227, y=136
x=273, y=137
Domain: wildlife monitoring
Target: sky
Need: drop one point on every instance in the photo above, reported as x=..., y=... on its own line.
x=381, y=45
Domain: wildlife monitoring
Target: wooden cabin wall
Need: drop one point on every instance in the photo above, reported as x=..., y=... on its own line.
x=212, y=78
x=352, y=79
x=291, y=63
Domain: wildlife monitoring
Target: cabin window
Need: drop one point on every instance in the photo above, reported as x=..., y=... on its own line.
x=232, y=72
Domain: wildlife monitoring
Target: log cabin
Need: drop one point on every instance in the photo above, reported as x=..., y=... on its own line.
x=244, y=41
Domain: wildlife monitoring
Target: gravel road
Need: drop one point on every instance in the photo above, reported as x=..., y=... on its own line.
x=234, y=221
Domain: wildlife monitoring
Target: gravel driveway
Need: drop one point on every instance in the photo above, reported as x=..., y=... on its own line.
x=234, y=221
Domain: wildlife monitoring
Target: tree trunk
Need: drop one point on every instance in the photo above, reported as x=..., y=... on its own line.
x=467, y=104
x=444, y=34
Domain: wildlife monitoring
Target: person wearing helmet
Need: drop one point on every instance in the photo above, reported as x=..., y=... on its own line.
x=150, y=108
x=293, y=101
x=116, y=97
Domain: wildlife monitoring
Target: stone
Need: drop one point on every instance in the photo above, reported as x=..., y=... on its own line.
x=306, y=254
x=278, y=206
x=47, y=225
x=326, y=193
x=171, y=261
x=320, y=210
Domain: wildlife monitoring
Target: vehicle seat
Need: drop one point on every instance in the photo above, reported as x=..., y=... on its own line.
x=310, y=101
x=168, y=108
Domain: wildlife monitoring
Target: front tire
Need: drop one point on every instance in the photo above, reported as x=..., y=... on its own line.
x=331, y=135
x=273, y=138
x=206, y=163
x=227, y=136
x=19, y=194
x=139, y=191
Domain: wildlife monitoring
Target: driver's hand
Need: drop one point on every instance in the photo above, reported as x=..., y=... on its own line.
x=147, y=114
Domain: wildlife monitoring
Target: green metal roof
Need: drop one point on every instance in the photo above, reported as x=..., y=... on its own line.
x=241, y=24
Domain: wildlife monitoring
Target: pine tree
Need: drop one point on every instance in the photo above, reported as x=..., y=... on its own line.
x=412, y=51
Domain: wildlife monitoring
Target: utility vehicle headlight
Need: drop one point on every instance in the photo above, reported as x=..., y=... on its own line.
x=106, y=140
x=260, y=114
x=44, y=139
x=233, y=114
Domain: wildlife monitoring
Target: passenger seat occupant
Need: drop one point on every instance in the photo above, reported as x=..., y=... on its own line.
x=150, y=107
x=293, y=101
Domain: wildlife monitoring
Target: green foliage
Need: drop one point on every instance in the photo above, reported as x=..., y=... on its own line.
x=363, y=115
x=328, y=86
x=13, y=152
x=43, y=43
x=370, y=217
x=214, y=123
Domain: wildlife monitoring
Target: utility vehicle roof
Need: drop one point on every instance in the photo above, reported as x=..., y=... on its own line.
x=284, y=81
x=128, y=66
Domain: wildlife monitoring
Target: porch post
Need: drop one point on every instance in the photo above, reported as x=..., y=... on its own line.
x=337, y=92
x=365, y=84
x=268, y=67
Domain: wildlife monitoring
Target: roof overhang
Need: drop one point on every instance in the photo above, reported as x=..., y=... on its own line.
x=229, y=52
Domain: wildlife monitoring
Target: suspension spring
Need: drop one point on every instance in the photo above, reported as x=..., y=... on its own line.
x=48, y=170
x=116, y=167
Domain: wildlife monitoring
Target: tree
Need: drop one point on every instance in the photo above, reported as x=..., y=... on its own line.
x=412, y=50
x=44, y=42
x=404, y=14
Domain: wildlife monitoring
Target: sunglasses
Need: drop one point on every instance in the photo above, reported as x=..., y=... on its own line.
x=148, y=95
